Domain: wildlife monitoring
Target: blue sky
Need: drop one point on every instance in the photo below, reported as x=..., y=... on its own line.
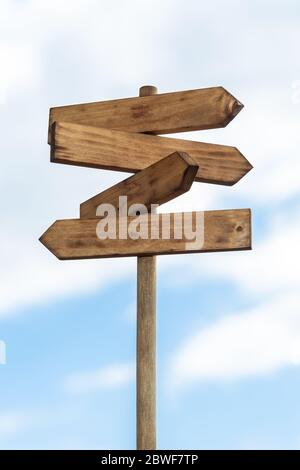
x=228, y=324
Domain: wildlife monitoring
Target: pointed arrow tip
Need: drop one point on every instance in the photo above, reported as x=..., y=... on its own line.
x=246, y=167
x=42, y=239
x=45, y=241
x=233, y=106
x=237, y=106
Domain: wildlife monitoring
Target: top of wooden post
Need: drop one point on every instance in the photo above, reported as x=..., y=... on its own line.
x=148, y=90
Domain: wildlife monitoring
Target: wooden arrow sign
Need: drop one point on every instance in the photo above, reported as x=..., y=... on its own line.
x=165, y=113
x=218, y=231
x=157, y=184
x=82, y=145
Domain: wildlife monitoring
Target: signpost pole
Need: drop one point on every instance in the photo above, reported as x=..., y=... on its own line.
x=146, y=343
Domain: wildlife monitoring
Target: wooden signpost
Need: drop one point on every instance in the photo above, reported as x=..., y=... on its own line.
x=122, y=220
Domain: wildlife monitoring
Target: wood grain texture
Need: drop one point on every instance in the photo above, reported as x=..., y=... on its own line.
x=165, y=113
x=146, y=353
x=156, y=184
x=227, y=230
x=148, y=90
x=146, y=341
x=76, y=144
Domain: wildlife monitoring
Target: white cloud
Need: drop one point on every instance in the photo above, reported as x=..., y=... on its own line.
x=55, y=50
x=108, y=377
x=270, y=267
x=44, y=48
x=33, y=279
x=12, y=423
x=112, y=40
x=271, y=148
x=256, y=342
x=18, y=69
x=2, y=352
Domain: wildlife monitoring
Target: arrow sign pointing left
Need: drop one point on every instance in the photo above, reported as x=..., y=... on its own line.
x=212, y=231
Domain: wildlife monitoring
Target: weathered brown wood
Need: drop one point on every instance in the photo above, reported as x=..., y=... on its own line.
x=164, y=113
x=148, y=90
x=77, y=144
x=227, y=230
x=156, y=184
x=146, y=354
x=146, y=341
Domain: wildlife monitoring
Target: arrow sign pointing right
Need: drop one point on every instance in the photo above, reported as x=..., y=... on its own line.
x=156, y=184
x=165, y=113
x=82, y=145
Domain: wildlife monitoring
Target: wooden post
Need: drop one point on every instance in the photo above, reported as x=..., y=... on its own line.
x=146, y=342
